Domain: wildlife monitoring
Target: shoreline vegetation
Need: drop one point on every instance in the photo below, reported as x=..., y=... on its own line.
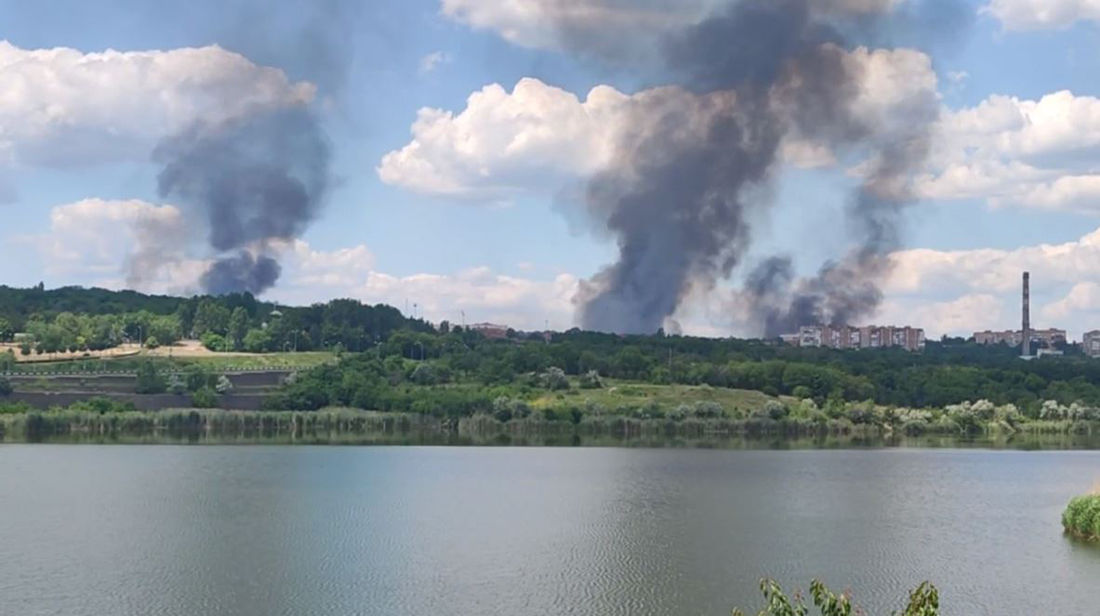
x=923, y=601
x=97, y=422
x=1081, y=519
x=344, y=371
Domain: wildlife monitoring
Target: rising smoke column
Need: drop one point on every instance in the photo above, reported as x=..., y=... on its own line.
x=680, y=189
x=847, y=290
x=258, y=179
x=675, y=202
x=261, y=177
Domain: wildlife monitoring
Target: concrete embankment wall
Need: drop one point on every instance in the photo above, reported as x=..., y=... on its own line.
x=148, y=402
x=110, y=381
x=45, y=391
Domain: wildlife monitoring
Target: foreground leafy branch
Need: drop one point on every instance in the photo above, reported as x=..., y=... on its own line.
x=923, y=601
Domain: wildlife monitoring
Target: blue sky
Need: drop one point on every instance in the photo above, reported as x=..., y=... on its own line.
x=516, y=254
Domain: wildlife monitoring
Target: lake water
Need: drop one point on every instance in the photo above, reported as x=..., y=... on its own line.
x=256, y=530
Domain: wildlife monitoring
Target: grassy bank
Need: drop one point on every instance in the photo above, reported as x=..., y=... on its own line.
x=1082, y=517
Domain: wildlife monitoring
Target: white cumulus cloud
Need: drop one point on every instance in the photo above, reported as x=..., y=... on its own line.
x=538, y=136
x=504, y=142
x=433, y=61
x=1042, y=14
x=1017, y=152
x=120, y=243
x=64, y=106
x=960, y=316
x=950, y=291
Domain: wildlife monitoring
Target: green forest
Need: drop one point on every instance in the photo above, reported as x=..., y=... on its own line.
x=78, y=319
x=391, y=363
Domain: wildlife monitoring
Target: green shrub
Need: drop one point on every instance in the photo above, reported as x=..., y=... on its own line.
x=590, y=380
x=149, y=379
x=1082, y=517
x=554, y=379
x=923, y=601
x=213, y=341
x=223, y=385
x=204, y=398
x=802, y=392
x=102, y=405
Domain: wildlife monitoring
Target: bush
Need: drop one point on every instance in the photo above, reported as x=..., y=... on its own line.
x=102, y=406
x=149, y=379
x=176, y=384
x=924, y=601
x=775, y=410
x=152, y=343
x=802, y=392
x=196, y=378
x=708, y=410
x=914, y=427
x=224, y=385
x=590, y=380
x=1082, y=517
x=554, y=379
x=505, y=409
x=213, y=342
x=204, y=398
x=423, y=374
x=861, y=414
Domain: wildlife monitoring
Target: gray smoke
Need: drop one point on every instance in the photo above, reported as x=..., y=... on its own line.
x=260, y=179
x=257, y=179
x=684, y=182
x=848, y=290
x=241, y=272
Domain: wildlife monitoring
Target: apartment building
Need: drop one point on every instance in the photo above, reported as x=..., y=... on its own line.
x=1091, y=343
x=1042, y=337
x=870, y=337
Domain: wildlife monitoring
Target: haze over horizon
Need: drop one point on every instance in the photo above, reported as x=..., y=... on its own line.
x=494, y=158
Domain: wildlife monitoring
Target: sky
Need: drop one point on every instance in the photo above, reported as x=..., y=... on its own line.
x=462, y=132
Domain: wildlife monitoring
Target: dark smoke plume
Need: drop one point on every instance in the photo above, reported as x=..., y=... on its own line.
x=686, y=178
x=241, y=272
x=258, y=179
x=848, y=290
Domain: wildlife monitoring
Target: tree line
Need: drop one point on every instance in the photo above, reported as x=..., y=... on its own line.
x=78, y=319
x=465, y=372
x=400, y=353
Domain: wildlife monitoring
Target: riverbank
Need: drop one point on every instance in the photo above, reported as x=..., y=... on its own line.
x=348, y=426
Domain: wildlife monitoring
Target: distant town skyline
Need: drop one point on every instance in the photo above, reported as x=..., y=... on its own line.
x=461, y=135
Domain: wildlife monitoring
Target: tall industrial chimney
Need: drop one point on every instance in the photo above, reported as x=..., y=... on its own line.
x=1027, y=315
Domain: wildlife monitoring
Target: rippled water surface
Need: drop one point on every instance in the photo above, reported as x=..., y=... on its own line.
x=164, y=530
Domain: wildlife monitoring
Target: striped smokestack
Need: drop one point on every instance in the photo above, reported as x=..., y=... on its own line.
x=1027, y=315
